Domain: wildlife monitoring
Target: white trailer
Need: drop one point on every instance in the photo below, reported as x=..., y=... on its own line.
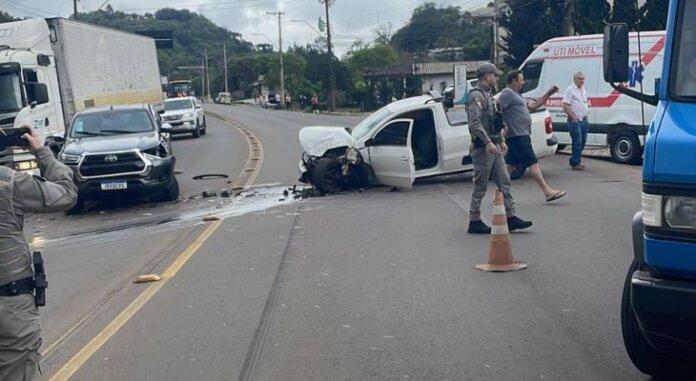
x=52, y=68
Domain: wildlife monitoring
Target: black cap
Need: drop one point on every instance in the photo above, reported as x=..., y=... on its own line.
x=488, y=68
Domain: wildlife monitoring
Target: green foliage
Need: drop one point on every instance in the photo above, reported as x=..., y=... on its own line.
x=531, y=22
x=625, y=11
x=653, y=15
x=431, y=27
x=6, y=17
x=590, y=16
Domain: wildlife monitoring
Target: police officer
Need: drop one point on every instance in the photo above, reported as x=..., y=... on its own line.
x=22, y=193
x=487, y=151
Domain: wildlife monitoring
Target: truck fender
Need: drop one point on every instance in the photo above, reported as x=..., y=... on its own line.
x=638, y=243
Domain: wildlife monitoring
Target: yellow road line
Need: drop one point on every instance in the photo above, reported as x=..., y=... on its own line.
x=72, y=366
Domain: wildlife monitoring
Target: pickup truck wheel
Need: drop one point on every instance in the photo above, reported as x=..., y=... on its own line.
x=625, y=148
x=561, y=146
x=171, y=193
x=197, y=130
x=646, y=358
x=76, y=209
x=205, y=127
x=328, y=176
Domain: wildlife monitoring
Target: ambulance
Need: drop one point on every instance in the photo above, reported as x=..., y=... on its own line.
x=617, y=121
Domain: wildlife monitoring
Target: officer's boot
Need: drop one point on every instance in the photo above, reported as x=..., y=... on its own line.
x=478, y=227
x=516, y=223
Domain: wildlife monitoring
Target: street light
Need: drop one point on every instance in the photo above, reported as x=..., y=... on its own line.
x=264, y=36
x=309, y=25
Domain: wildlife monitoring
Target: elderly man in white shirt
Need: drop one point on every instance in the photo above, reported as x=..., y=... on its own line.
x=576, y=106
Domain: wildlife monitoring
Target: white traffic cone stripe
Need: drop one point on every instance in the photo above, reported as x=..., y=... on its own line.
x=499, y=230
x=498, y=210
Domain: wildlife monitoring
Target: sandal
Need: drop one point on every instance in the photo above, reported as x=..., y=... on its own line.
x=556, y=196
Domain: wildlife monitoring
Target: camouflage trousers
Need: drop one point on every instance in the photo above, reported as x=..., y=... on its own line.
x=20, y=338
x=489, y=167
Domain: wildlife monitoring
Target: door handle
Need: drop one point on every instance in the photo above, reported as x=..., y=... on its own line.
x=404, y=158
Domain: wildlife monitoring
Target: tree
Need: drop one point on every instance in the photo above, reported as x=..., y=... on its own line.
x=522, y=20
x=431, y=27
x=625, y=11
x=383, y=33
x=590, y=16
x=6, y=17
x=653, y=15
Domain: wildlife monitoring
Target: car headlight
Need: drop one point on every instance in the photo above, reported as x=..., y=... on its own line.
x=190, y=115
x=69, y=159
x=680, y=212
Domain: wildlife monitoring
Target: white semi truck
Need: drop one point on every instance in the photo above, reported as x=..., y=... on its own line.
x=52, y=68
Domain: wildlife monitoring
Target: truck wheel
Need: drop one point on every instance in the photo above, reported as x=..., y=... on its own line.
x=328, y=176
x=171, y=193
x=625, y=148
x=197, y=130
x=205, y=127
x=646, y=358
x=76, y=209
x=561, y=146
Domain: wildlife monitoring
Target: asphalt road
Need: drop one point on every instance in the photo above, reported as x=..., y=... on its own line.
x=371, y=285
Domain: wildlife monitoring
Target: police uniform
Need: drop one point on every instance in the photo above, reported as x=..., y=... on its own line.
x=22, y=193
x=481, y=109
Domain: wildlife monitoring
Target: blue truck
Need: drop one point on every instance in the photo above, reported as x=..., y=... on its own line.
x=658, y=309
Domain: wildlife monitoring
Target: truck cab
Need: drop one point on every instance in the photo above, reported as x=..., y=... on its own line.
x=29, y=90
x=658, y=310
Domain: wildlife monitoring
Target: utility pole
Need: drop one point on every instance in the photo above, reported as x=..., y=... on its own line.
x=568, y=24
x=75, y=9
x=224, y=58
x=495, y=32
x=280, y=50
x=332, y=79
x=207, y=75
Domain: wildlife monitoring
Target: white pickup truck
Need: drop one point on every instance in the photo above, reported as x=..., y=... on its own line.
x=405, y=140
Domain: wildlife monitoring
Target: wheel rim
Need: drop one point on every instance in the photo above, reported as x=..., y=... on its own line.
x=623, y=148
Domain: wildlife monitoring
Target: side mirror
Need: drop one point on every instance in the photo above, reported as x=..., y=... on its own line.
x=55, y=143
x=369, y=142
x=166, y=127
x=37, y=93
x=615, y=53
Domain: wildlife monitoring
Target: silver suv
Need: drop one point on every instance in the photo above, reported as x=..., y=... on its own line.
x=186, y=115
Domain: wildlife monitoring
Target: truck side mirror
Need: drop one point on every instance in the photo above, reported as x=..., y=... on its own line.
x=615, y=53
x=369, y=142
x=37, y=92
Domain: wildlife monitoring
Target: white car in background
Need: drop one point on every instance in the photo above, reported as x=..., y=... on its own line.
x=186, y=115
x=403, y=141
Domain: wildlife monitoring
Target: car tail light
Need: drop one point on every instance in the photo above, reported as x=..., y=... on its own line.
x=548, y=125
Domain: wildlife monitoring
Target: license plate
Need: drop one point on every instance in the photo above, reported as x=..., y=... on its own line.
x=114, y=185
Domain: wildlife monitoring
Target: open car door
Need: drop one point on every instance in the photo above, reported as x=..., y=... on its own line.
x=391, y=156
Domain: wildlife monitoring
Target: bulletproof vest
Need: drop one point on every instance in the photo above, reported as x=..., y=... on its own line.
x=15, y=258
x=491, y=118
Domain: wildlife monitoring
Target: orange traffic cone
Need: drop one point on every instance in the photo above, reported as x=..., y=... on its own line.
x=500, y=250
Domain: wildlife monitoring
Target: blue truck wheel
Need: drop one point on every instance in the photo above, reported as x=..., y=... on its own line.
x=646, y=358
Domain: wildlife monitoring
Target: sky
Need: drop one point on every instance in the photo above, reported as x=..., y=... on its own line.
x=351, y=20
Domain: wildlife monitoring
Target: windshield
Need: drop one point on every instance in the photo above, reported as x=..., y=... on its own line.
x=10, y=94
x=111, y=122
x=532, y=73
x=683, y=83
x=179, y=104
x=369, y=123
